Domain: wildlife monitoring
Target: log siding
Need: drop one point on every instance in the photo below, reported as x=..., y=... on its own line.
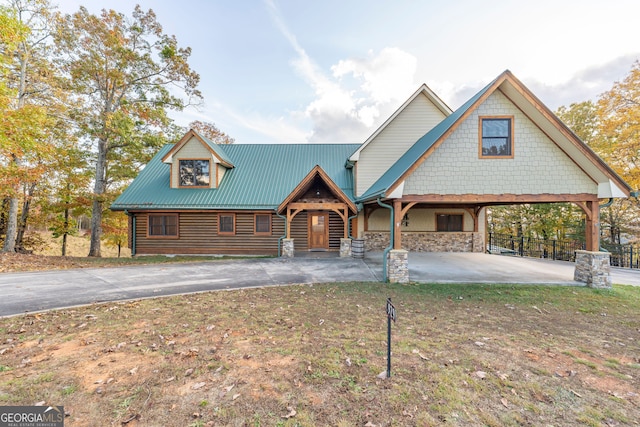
x=199, y=235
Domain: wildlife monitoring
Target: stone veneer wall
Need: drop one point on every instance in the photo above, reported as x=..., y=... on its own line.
x=428, y=241
x=593, y=268
x=398, y=266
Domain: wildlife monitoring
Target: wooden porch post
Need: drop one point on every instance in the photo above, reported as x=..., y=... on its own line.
x=592, y=228
x=397, y=224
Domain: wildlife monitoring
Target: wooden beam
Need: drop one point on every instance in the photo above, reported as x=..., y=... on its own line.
x=498, y=198
x=317, y=206
x=585, y=208
x=397, y=224
x=406, y=208
x=593, y=227
x=346, y=223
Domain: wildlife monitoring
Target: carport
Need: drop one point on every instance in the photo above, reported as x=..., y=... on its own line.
x=451, y=173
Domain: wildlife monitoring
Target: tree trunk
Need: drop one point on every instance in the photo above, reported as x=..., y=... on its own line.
x=22, y=223
x=98, y=193
x=12, y=218
x=66, y=233
x=12, y=222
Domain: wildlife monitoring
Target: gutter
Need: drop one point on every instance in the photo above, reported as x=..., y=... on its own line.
x=391, y=238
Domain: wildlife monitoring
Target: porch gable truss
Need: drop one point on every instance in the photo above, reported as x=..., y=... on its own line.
x=298, y=200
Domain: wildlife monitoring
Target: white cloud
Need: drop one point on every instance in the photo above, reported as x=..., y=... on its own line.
x=357, y=95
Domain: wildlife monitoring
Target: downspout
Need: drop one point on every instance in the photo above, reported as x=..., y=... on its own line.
x=391, y=238
x=283, y=236
x=358, y=208
x=606, y=205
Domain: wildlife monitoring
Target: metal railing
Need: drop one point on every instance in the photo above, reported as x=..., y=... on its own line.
x=622, y=255
x=562, y=250
x=627, y=256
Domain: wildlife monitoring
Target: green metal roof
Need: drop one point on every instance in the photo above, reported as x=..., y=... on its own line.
x=417, y=150
x=217, y=148
x=263, y=176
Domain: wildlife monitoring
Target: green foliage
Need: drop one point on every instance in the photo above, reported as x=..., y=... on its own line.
x=541, y=221
x=211, y=131
x=610, y=127
x=120, y=70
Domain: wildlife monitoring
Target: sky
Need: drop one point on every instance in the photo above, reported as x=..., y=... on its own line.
x=295, y=71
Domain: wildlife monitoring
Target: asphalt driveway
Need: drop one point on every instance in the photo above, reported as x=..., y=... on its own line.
x=37, y=291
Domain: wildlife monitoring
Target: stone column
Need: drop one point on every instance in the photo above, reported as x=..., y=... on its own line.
x=593, y=268
x=345, y=247
x=398, y=266
x=287, y=248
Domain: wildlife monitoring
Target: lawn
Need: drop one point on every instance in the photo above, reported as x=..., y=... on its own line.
x=467, y=355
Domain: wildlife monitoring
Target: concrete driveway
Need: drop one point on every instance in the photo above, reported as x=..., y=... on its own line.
x=36, y=291
x=452, y=267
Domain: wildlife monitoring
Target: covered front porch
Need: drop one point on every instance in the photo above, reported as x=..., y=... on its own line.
x=317, y=215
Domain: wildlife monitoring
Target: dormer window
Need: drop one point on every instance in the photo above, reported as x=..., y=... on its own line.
x=496, y=137
x=194, y=173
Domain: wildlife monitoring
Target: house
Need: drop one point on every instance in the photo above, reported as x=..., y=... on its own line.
x=420, y=182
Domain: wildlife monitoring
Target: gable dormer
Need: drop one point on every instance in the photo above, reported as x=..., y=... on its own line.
x=196, y=162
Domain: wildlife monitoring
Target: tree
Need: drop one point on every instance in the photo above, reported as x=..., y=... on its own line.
x=25, y=123
x=209, y=130
x=619, y=109
x=125, y=73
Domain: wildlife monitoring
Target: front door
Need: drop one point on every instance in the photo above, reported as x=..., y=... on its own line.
x=318, y=231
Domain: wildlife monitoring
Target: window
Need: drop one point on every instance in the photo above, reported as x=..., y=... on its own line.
x=194, y=173
x=449, y=222
x=227, y=224
x=163, y=225
x=263, y=224
x=496, y=137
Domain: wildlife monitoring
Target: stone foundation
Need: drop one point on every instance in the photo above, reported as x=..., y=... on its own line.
x=593, y=268
x=345, y=247
x=428, y=241
x=398, y=266
x=287, y=248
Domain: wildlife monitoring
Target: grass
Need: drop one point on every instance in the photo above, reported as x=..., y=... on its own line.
x=501, y=355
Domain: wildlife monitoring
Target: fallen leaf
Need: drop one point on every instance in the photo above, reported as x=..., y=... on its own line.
x=188, y=372
x=133, y=371
x=348, y=361
x=504, y=402
x=197, y=386
x=235, y=396
x=292, y=413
